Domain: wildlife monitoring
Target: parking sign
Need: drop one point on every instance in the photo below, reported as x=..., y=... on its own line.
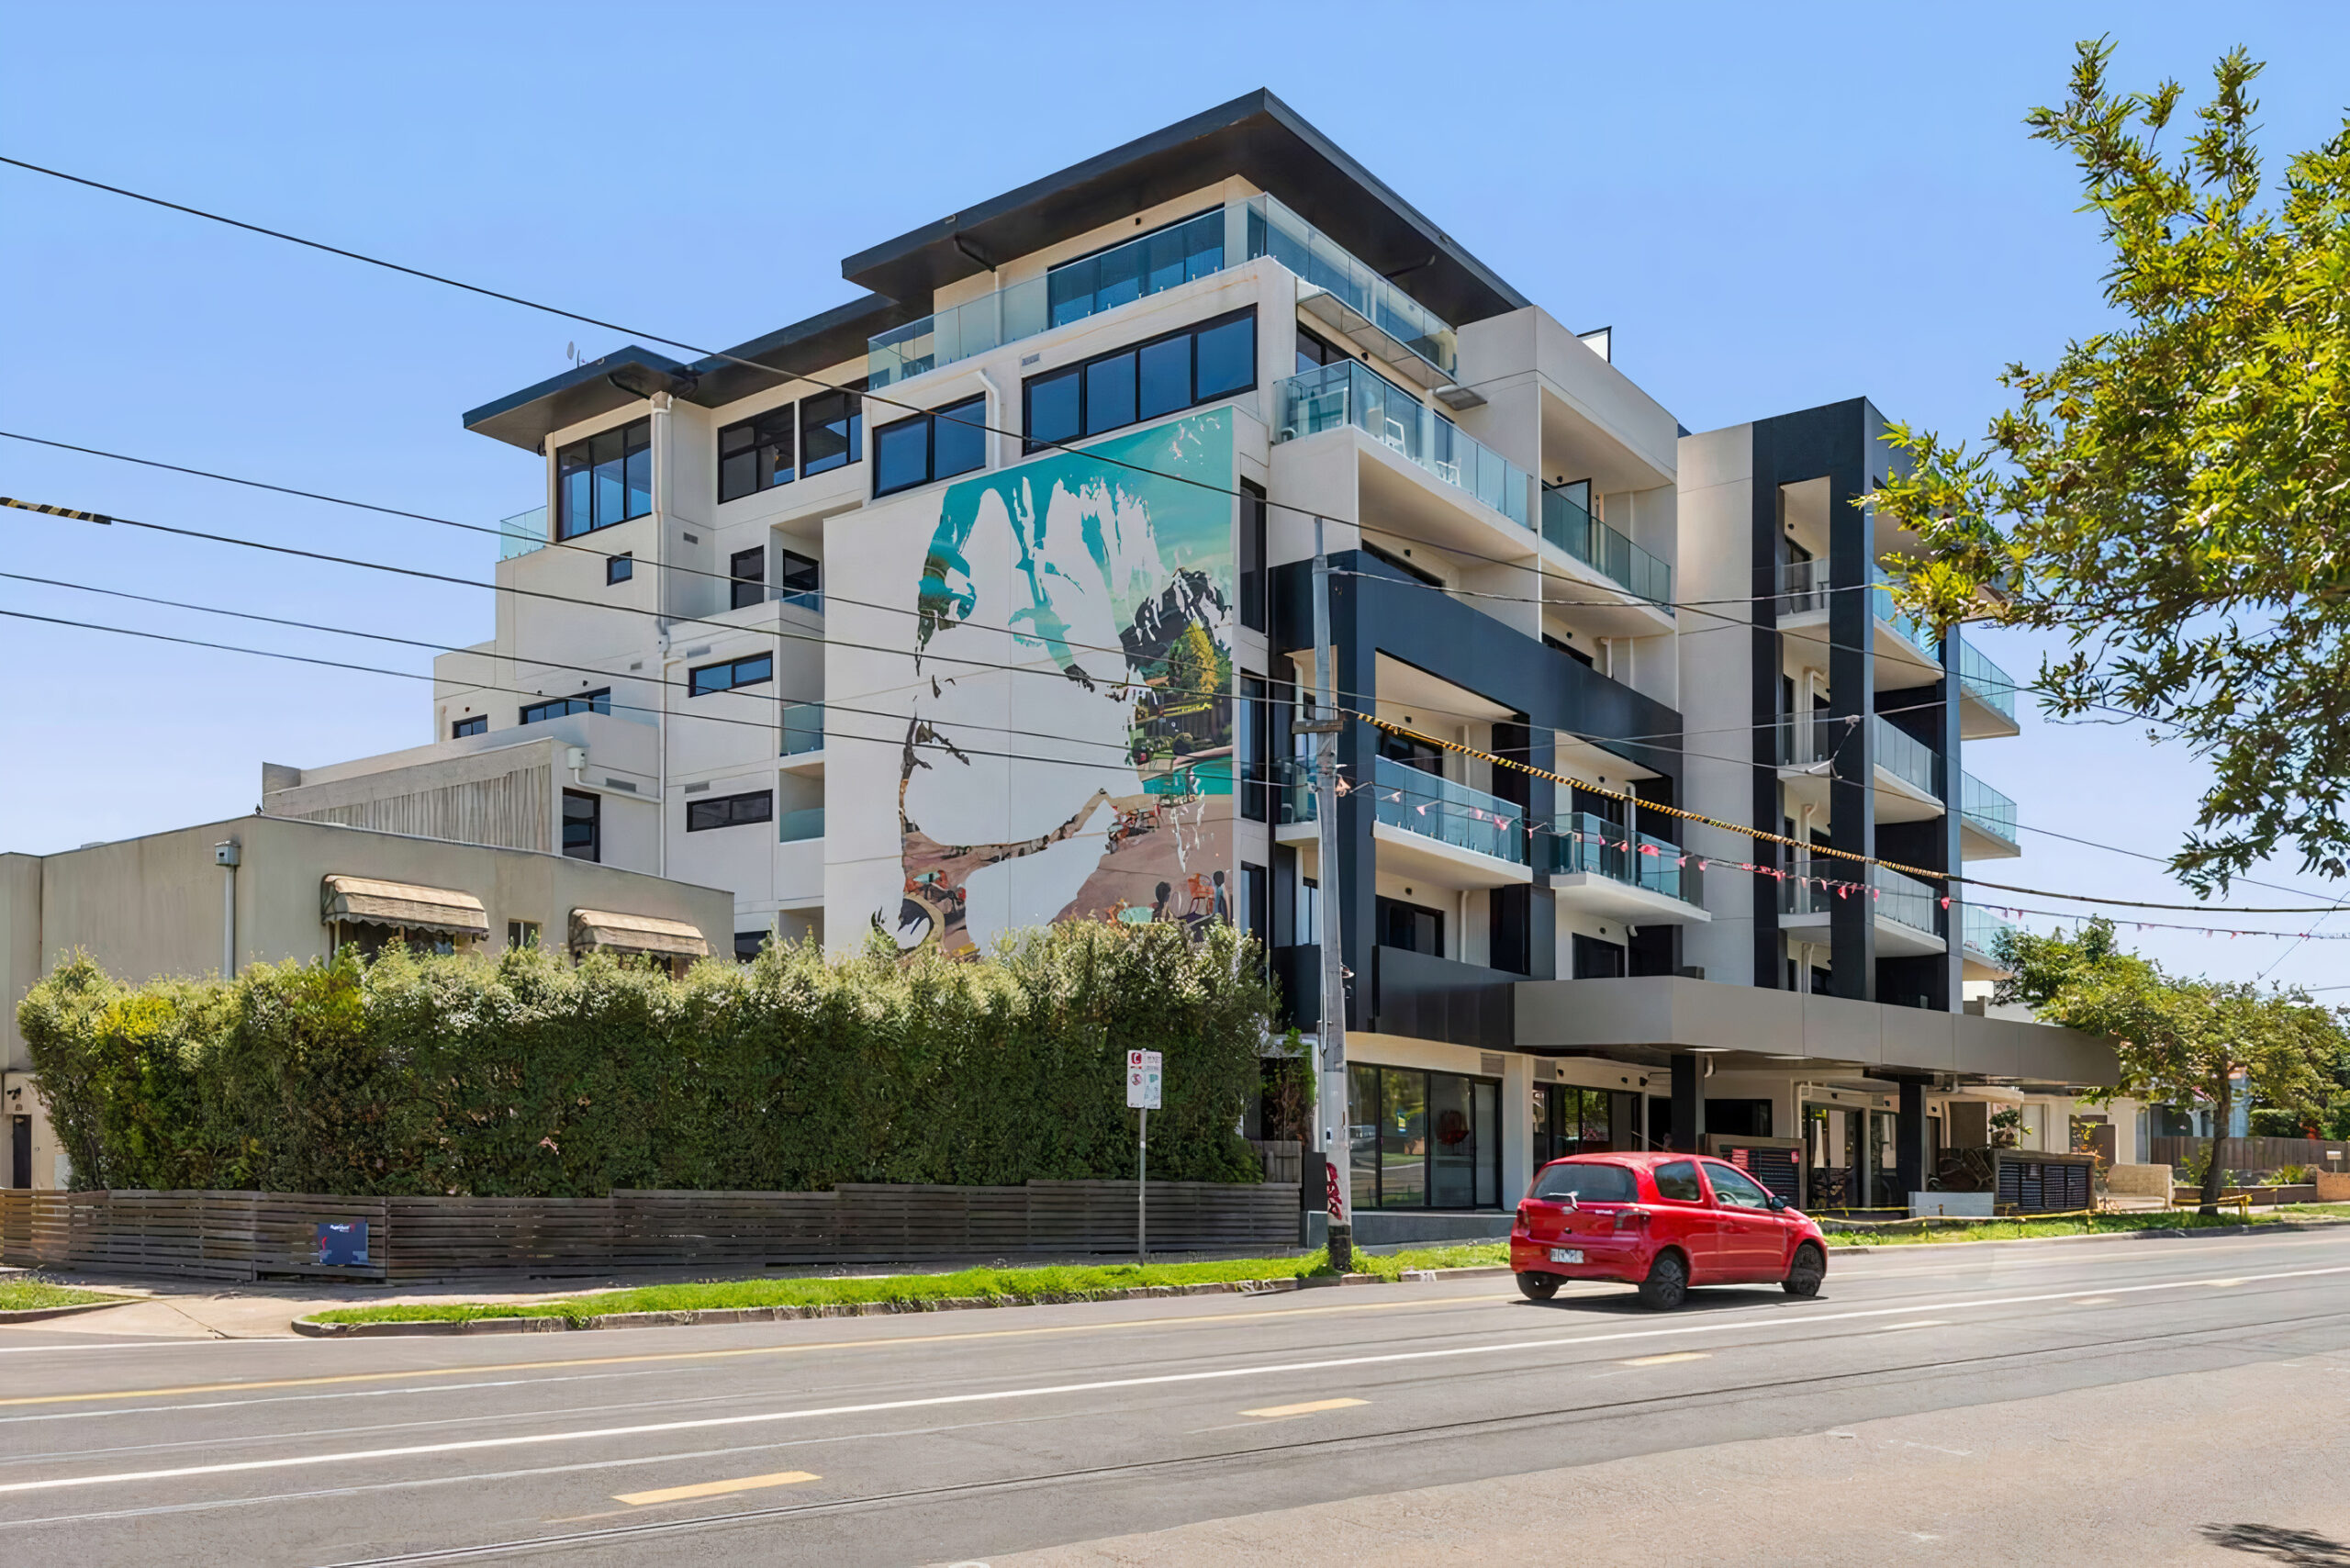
x=1142, y=1080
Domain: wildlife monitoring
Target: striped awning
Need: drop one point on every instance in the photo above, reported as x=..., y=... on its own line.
x=604, y=930
x=402, y=904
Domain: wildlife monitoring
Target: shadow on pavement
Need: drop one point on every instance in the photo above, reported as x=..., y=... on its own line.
x=1712, y=1298
x=2303, y=1549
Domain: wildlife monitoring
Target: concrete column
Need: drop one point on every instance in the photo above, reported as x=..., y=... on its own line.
x=1688, y=1102
x=1910, y=1147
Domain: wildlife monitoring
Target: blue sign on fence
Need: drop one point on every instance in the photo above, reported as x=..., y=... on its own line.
x=343, y=1243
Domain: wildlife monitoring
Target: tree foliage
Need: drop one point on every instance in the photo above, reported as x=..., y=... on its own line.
x=2180, y=1042
x=529, y=1077
x=2174, y=493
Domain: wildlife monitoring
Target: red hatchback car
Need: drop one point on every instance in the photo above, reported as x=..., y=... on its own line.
x=1662, y=1222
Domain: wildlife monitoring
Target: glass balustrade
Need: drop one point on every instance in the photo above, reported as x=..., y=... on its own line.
x=804, y=728
x=1803, y=586
x=1350, y=393
x=1896, y=895
x=521, y=533
x=1994, y=686
x=796, y=827
x=1582, y=841
x=1920, y=635
x=1449, y=813
x=1983, y=930
x=809, y=599
x=1906, y=758
x=1987, y=809
x=1568, y=525
x=1322, y=264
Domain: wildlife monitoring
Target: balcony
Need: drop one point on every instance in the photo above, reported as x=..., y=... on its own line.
x=1482, y=837
x=1572, y=529
x=1980, y=944
x=1120, y=275
x=1986, y=821
x=1351, y=297
x=1908, y=652
x=1908, y=773
x=521, y=533
x=1408, y=993
x=1987, y=696
x=800, y=826
x=1597, y=867
x=1331, y=397
x=803, y=731
x=1904, y=908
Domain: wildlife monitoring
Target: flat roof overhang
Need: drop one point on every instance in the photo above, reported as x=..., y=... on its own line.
x=1256, y=136
x=1648, y=1018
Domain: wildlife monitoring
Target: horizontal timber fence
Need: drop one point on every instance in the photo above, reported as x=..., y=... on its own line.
x=2252, y=1153
x=245, y=1236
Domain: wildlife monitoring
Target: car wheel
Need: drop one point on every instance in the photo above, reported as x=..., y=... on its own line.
x=1806, y=1272
x=1667, y=1285
x=1538, y=1287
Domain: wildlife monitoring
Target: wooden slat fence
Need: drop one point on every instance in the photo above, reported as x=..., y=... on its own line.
x=244, y=1236
x=2250, y=1153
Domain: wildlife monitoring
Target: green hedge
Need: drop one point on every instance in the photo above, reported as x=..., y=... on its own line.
x=528, y=1076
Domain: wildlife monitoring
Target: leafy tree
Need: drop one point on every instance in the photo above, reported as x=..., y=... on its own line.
x=2179, y=1041
x=2172, y=495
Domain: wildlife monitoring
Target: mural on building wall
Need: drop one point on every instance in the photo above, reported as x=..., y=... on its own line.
x=1104, y=760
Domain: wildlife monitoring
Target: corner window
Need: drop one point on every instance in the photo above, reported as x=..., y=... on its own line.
x=730, y=811
x=831, y=430
x=747, y=571
x=936, y=445
x=619, y=569
x=597, y=702
x=583, y=825
x=730, y=676
x=1166, y=376
x=476, y=725
x=756, y=454
x=607, y=479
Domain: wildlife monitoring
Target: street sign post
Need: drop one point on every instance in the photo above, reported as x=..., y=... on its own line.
x=1141, y=1095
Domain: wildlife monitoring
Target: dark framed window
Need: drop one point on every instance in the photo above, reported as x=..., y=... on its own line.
x=1569, y=1120
x=831, y=430
x=1181, y=370
x=1595, y=959
x=730, y=811
x=730, y=676
x=797, y=573
x=607, y=479
x=748, y=945
x=1257, y=906
x=476, y=725
x=1315, y=351
x=1413, y=928
x=1251, y=735
x=1422, y=1139
x=596, y=701
x=747, y=571
x=583, y=825
x=1254, y=579
x=619, y=569
x=756, y=454
x=936, y=445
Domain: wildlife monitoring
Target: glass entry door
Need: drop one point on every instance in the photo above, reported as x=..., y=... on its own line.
x=1424, y=1139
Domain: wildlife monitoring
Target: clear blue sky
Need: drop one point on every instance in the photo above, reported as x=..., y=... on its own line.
x=1774, y=207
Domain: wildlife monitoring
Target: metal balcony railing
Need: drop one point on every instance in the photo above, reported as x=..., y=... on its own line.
x=1803, y=586
x=1567, y=524
x=1350, y=393
x=1583, y=841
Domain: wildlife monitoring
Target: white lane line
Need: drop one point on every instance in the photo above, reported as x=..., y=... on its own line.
x=1921, y=1323
x=1044, y=1391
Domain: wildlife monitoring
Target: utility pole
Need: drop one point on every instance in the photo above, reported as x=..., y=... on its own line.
x=1335, y=1141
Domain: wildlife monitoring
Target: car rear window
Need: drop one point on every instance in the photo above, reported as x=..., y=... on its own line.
x=1588, y=1184
x=1678, y=1183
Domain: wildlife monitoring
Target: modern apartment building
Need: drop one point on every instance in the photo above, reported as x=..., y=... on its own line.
x=987, y=600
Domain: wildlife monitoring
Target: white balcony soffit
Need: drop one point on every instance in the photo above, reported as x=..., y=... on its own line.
x=1893, y=939
x=1588, y=892
x=1404, y=853
x=1388, y=349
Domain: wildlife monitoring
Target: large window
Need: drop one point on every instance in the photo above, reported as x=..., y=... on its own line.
x=1251, y=733
x=1424, y=1139
x=936, y=445
x=832, y=430
x=746, y=572
x=1413, y=927
x=730, y=811
x=583, y=825
x=476, y=725
x=1166, y=376
x=1567, y=1120
x=756, y=454
x=607, y=479
x=596, y=701
x=730, y=676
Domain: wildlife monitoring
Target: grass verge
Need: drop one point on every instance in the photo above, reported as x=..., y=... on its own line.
x=2099, y=1225
x=38, y=1296
x=1068, y=1281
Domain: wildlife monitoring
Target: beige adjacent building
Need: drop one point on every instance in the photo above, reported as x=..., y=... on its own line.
x=214, y=898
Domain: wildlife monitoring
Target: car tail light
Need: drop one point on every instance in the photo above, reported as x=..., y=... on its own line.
x=1524, y=1221
x=1631, y=1220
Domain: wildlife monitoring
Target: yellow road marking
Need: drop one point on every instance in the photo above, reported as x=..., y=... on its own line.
x=1308, y=1409
x=1674, y=1356
x=236, y=1386
x=714, y=1488
x=2222, y=1285
x=1921, y=1323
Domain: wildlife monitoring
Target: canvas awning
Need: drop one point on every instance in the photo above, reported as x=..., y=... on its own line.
x=597, y=928
x=402, y=904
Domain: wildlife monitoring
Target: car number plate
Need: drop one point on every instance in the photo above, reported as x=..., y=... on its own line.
x=1566, y=1254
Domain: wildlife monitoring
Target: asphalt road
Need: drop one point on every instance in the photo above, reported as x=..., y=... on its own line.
x=2130, y=1401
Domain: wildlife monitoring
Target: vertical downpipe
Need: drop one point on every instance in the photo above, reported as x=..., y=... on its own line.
x=661, y=507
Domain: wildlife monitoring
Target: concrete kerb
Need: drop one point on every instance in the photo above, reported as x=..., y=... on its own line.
x=35, y=1314
x=717, y=1316
x=2162, y=1233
